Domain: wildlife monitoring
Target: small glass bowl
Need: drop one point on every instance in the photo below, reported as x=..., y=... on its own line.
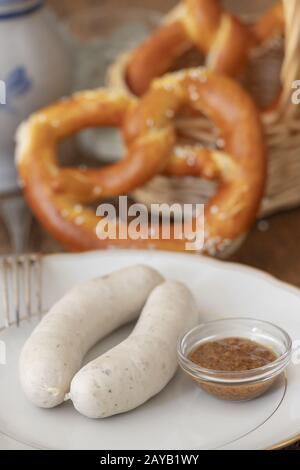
x=241, y=385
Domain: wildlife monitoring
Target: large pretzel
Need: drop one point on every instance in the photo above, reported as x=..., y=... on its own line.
x=56, y=195
x=225, y=41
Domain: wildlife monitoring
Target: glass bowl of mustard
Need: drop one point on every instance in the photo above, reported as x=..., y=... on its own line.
x=235, y=359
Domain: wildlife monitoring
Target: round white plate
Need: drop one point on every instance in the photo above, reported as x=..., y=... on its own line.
x=182, y=416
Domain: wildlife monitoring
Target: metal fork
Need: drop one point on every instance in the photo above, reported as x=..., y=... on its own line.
x=17, y=219
x=21, y=286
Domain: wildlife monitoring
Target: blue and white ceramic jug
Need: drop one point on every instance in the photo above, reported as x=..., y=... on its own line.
x=35, y=69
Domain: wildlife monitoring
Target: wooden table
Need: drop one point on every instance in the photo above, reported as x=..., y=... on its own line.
x=272, y=244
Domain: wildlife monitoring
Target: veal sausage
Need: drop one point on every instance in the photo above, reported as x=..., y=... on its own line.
x=142, y=365
x=55, y=350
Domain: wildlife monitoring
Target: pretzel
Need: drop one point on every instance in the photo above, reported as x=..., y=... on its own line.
x=240, y=169
x=270, y=24
x=220, y=36
x=56, y=195
x=225, y=41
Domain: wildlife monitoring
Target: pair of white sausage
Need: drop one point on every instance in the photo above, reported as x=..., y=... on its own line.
x=127, y=375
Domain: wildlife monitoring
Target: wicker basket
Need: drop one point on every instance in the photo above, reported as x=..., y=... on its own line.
x=274, y=65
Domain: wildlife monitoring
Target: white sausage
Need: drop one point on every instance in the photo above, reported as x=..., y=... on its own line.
x=142, y=365
x=55, y=350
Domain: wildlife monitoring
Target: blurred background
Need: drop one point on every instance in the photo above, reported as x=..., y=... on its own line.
x=272, y=245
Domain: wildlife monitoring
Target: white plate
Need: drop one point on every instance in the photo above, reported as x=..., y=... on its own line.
x=182, y=416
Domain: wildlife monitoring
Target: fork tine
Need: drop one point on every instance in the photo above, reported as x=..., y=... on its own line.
x=27, y=287
x=37, y=268
x=19, y=275
x=5, y=290
x=15, y=267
